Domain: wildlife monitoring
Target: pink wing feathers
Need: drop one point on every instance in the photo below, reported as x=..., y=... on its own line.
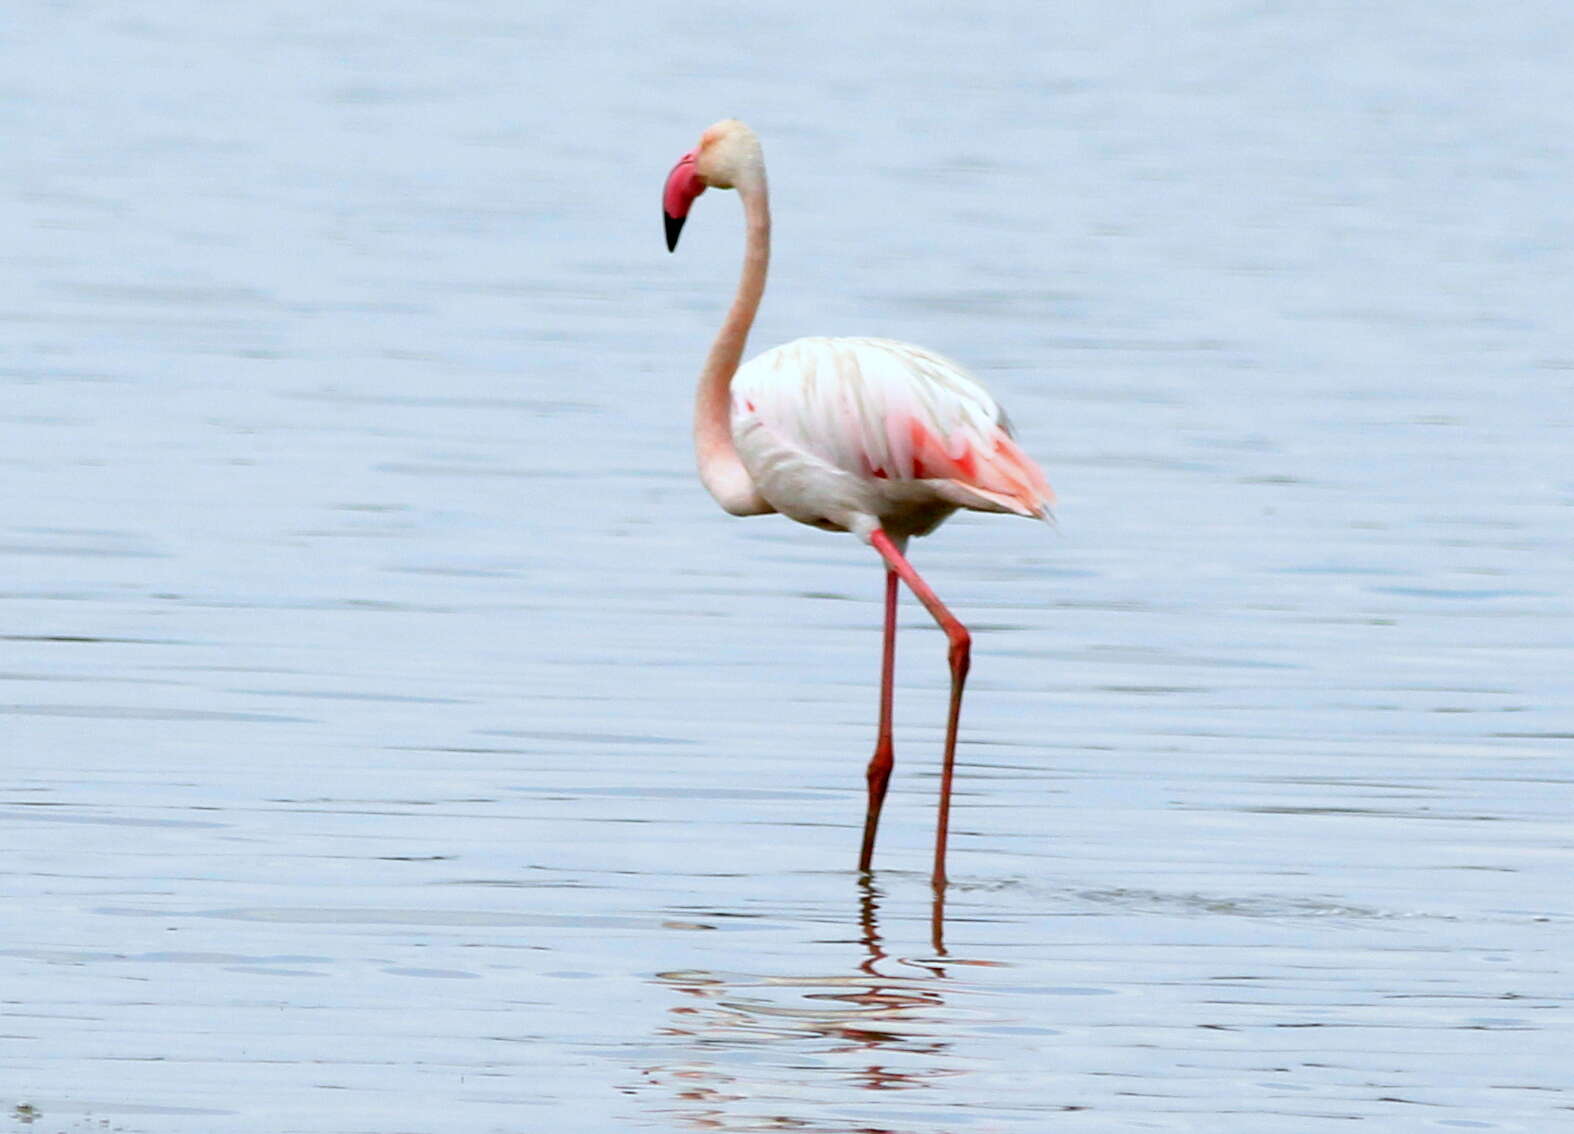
x=887, y=410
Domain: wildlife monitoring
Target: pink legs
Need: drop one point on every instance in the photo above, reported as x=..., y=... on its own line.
x=960, y=654
x=880, y=762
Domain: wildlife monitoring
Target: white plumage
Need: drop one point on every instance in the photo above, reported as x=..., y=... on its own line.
x=854, y=433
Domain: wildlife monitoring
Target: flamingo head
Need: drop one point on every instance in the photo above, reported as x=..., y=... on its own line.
x=727, y=156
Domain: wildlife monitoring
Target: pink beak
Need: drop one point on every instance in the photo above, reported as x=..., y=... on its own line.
x=683, y=185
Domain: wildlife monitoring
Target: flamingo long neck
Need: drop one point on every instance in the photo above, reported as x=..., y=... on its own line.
x=721, y=470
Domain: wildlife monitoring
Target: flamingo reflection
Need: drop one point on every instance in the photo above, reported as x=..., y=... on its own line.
x=749, y=1049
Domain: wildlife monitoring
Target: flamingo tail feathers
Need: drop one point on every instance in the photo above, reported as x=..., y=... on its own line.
x=994, y=468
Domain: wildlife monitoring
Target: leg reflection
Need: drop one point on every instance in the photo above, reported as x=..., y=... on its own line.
x=869, y=896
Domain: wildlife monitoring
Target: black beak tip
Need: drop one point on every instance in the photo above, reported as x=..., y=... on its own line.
x=674, y=226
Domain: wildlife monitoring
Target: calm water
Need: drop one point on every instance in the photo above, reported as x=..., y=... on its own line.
x=396, y=739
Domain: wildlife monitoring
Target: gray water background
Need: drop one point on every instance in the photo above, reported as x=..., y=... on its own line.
x=393, y=736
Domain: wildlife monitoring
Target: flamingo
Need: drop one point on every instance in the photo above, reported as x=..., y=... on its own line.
x=877, y=438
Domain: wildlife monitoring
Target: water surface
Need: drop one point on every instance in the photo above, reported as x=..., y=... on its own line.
x=395, y=738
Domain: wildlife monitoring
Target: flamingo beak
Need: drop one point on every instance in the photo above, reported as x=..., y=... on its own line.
x=683, y=185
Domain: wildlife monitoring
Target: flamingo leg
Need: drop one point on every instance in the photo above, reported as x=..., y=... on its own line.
x=959, y=655
x=884, y=754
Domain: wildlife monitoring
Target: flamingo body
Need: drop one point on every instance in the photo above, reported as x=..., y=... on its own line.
x=854, y=434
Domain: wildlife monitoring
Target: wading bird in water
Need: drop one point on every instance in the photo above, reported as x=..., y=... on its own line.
x=877, y=438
